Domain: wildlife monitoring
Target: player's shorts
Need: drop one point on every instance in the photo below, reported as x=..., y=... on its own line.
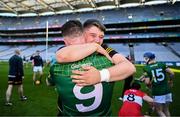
x=14, y=80
x=37, y=69
x=163, y=98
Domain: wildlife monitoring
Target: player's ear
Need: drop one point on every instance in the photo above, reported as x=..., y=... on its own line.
x=66, y=41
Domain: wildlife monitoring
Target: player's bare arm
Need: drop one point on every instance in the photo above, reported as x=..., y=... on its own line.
x=148, y=99
x=123, y=68
x=74, y=53
x=91, y=75
x=170, y=72
x=147, y=81
x=171, y=76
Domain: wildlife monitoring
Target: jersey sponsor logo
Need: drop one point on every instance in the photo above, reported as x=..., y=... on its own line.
x=133, y=98
x=79, y=66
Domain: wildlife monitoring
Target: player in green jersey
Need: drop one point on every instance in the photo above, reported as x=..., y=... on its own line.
x=155, y=77
x=94, y=33
x=92, y=100
x=85, y=47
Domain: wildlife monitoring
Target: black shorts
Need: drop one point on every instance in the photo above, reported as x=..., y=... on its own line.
x=15, y=80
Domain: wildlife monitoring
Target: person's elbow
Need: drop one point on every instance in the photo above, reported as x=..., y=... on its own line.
x=66, y=58
x=61, y=58
x=131, y=68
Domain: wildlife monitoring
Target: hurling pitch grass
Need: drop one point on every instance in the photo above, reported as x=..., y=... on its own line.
x=42, y=100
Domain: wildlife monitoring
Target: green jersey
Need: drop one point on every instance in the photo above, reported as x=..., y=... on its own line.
x=157, y=74
x=94, y=100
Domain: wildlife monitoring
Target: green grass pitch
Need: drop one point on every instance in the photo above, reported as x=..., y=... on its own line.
x=42, y=100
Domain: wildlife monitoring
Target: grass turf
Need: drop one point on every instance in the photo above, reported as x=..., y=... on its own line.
x=42, y=100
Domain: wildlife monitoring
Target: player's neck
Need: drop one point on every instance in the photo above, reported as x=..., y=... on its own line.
x=152, y=62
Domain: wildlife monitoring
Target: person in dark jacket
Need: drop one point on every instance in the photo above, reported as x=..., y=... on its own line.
x=37, y=66
x=15, y=76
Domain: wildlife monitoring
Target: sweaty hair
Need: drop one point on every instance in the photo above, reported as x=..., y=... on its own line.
x=72, y=28
x=135, y=85
x=93, y=22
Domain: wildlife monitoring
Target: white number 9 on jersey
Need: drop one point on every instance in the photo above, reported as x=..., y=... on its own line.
x=96, y=93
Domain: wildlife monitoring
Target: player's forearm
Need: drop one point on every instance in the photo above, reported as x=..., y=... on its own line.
x=122, y=69
x=147, y=81
x=75, y=52
x=49, y=82
x=148, y=99
x=171, y=73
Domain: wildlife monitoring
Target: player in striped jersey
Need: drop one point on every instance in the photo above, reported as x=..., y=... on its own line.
x=133, y=100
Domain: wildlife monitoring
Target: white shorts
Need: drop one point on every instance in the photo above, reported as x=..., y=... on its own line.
x=37, y=69
x=163, y=98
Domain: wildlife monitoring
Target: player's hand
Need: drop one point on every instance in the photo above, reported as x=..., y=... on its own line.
x=89, y=76
x=47, y=82
x=170, y=82
x=104, y=52
x=22, y=77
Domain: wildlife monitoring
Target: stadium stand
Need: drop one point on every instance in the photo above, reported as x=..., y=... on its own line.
x=148, y=13
x=131, y=30
x=160, y=51
x=27, y=50
x=141, y=25
x=176, y=47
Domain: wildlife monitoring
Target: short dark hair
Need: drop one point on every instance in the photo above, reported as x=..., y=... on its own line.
x=72, y=28
x=135, y=85
x=93, y=22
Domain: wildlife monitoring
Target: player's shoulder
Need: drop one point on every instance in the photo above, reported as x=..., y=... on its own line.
x=162, y=65
x=60, y=47
x=16, y=57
